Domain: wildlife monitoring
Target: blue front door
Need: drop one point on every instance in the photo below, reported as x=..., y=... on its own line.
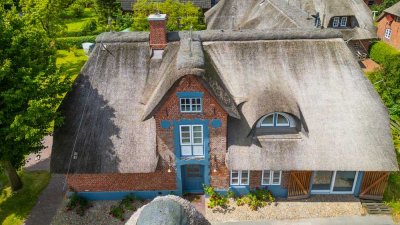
x=193, y=178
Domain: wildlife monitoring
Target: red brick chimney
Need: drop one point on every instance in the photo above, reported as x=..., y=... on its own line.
x=158, y=31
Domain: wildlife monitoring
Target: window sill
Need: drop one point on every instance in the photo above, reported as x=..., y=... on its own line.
x=297, y=136
x=239, y=186
x=193, y=157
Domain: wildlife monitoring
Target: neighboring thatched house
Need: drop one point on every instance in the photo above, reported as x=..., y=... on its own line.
x=352, y=18
x=389, y=26
x=127, y=5
x=159, y=113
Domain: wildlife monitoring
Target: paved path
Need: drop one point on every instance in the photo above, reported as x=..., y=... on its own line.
x=350, y=220
x=48, y=203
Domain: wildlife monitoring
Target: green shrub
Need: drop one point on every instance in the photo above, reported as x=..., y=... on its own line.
x=89, y=27
x=128, y=201
x=77, y=10
x=216, y=200
x=68, y=42
x=117, y=211
x=230, y=194
x=77, y=203
x=256, y=199
x=380, y=51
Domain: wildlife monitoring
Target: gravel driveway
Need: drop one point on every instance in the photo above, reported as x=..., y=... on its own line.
x=314, y=207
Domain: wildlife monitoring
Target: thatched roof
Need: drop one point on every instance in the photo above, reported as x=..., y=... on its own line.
x=345, y=125
x=271, y=14
x=312, y=76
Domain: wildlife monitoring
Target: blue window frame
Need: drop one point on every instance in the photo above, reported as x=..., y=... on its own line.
x=190, y=102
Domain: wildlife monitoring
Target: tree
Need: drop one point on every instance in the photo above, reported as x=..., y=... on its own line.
x=106, y=9
x=181, y=16
x=384, y=5
x=31, y=89
x=45, y=14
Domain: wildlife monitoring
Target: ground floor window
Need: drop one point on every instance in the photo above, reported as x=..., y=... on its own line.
x=240, y=177
x=270, y=177
x=336, y=182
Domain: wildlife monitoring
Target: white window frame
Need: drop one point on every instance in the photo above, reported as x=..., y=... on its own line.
x=343, y=21
x=191, y=144
x=275, y=120
x=388, y=33
x=191, y=105
x=271, y=177
x=336, y=21
x=240, y=172
x=331, y=191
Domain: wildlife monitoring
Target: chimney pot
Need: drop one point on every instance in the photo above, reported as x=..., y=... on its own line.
x=158, y=31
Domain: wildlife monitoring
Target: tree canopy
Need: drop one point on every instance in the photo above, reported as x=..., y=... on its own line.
x=384, y=5
x=30, y=88
x=181, y=16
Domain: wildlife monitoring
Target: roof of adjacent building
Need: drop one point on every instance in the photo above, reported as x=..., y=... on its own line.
x=309, y=73
x=394, y=10
x=127, y=5
x=271, y=14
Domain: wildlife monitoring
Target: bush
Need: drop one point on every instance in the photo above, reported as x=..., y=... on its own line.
x=230, y=194
x=68, y=42
x=128, y=201
x=77, y=10
x=117, y=212
x=256, y=199
x=77, y=203
x=89, y=27
x=380, y=51
x=216, y=200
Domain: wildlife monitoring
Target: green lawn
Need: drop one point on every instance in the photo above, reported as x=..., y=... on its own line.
x=15, y=207
x=76, y=24
x=71, y=61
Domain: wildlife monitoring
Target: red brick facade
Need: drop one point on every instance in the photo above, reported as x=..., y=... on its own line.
x=122, y=182
x=158, y=34
x=392, y=22
x=169, y=111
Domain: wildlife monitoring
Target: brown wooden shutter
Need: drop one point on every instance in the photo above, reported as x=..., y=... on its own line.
x=373, y=185
x=299, y=184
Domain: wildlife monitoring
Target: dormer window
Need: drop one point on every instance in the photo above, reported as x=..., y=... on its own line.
x=339, y=21
x=275, y=120
x=190, y=102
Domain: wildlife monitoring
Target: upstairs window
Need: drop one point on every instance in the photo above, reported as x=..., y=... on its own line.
x=336, y=21
x=190, y=102
x=188, y=105
x=191, y=140
x=388, y=33
x=270, y=177
x=275, y=120
x=343, y=22
x=339, y=21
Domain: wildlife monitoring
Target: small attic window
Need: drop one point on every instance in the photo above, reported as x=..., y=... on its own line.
x=276, y=120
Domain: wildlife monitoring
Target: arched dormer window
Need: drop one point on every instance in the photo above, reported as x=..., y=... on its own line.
x=277, y=123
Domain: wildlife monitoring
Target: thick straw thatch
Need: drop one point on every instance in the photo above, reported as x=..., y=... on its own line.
x=313, y=76
x=272, y=14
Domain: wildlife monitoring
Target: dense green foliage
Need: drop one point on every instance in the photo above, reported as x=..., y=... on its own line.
x=215, y=199
x=15, y=207
x=385, y=4
x=68, y=42
x=380, y=51
x=31, y=87
x=256, y=199
x=181, y=16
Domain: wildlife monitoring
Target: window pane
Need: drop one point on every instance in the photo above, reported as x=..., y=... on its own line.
x=198, y=150
x=322, y=180
x=281, y=120
x=197, y=128
x=197, y=141
x=235, y=177
x=266, y=177
x=186, y=150
x=344, y=181
x=235, y=181
x=245, y=177
x=198, y=101
x=268, y=121
x=276, y=177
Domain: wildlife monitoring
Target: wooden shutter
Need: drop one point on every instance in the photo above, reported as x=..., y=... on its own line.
x=373, y=185
x=299, y=184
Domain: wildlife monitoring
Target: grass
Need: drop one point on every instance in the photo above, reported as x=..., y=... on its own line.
x=71, y=61
x=76, y=24
x=15, y=207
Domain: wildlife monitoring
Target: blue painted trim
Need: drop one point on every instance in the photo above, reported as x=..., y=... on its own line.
x=118, y=195
x=165, y=124
x=216, y=123
x=205, y=161
x=357, y=188
x=190, y=94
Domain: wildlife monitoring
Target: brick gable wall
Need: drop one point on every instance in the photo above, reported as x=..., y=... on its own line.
x=384, y=24
x=169, y=111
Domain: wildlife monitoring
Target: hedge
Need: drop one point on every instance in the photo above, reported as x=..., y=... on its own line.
x=380, y=52
x=68, y=42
